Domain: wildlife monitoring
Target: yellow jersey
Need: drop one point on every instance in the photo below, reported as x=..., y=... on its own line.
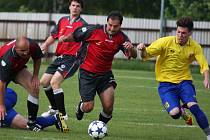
x=173, y=60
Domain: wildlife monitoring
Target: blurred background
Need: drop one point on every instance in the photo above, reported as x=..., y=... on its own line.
x=144, y=20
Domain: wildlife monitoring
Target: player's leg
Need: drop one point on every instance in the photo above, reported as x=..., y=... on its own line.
x=168, y=93
x=58, y=92
x=107, y=101
x=45, y=82
x=87, y=89
x=106, y=87
x=66, y=69
x=10, y=98
x=24, y=78
x=189, y=97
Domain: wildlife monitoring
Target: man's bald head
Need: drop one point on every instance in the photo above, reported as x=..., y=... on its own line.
x=22, y=46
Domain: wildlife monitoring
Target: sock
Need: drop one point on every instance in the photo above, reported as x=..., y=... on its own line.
x=104, y=118
x=50, y=96
x=45, y=122
x=199, y=116
x=59, y=100
x=208, y=137
x=207, y=131
x=33, y=106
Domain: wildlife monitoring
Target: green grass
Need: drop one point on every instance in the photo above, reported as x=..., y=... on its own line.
x=138, y=114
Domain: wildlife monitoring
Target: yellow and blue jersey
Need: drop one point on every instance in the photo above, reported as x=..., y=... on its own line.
x=173, y=60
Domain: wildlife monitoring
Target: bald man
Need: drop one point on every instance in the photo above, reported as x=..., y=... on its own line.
x=13, y=58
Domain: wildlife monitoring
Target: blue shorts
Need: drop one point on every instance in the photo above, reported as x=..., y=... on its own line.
x=171, y=94
x=10, y=101
x=11, y=113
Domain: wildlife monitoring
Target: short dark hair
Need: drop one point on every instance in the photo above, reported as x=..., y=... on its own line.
x=115, y=15
x=185, y=22
x=79, y=1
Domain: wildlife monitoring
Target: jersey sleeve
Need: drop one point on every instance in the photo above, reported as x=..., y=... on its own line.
x=36, y=52
x=154, y=49
x=5, y=68
x=83, y=33
x=200, y=58
x=122, y=48
x=55, y=31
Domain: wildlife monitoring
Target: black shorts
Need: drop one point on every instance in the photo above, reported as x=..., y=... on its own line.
x=66, y=65
x=90, y=83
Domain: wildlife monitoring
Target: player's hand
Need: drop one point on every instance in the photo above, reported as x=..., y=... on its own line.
x=43, y=48
x=128, y=45
x=61, y=38
x=2, y=112
x=206, y=83
x=35, y=82
x=141, y=46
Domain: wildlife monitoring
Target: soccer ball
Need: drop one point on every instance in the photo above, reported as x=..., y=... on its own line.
x=97, y=129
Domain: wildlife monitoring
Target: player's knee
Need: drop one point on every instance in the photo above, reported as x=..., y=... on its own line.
x=191, y=104
x=44, y=83
x=54, y=84
x=88, y=106
x=175, y=113
x=108, y=110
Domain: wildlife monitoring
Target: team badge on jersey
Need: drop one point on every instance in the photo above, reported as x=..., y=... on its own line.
x=84, y=29
x=3, y=63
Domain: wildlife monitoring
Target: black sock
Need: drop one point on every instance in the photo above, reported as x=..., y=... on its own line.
x=32, y=111
x=59, y=100
x=50, y=95
x=104, y=119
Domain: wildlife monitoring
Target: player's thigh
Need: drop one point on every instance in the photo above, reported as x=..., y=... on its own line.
x=45, y=79
x=188, y=93
x=15, y=120
x=24, y=78
x=19, y=122
x=168, y=95
x=56, y=80
x=107, y=98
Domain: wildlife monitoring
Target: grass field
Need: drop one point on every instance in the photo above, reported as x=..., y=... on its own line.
x=138, y=114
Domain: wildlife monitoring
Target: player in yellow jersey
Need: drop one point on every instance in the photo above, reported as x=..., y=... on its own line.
x=174, y=56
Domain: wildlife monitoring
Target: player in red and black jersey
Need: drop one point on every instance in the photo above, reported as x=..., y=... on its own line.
x=99, y=45
x=13, y=58
x=57, y=72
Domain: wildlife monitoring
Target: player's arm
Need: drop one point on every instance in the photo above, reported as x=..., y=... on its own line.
x=2, y=105
x=44, y=47
x=204, y=68
x=80, y=34
x=142, y=48
x=130, y=48
x=206, y=79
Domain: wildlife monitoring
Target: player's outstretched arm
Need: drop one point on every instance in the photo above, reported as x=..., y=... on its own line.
x=44, y=47
x=142, y=48
x=206, y=79
x=2, y=105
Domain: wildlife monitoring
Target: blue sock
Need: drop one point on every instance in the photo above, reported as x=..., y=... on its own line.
x=46, y=121
x=199, y=116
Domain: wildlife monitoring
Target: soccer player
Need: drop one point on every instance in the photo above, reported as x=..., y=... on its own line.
x=175, y=54
x=15, y=120
x=13, y=58
x=99, y=45
x=58, y=71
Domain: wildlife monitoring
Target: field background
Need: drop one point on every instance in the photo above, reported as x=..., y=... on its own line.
x=138, y=114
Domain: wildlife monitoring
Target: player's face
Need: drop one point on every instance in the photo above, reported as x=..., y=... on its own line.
x=22, y=52
x=113, y=26
x=75, y=9
x=182, y=34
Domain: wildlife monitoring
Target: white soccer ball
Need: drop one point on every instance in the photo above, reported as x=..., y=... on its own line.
x=97, y=129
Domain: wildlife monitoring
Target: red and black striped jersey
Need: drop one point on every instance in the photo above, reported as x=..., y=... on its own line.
x=98, y=47
x=64, y=27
